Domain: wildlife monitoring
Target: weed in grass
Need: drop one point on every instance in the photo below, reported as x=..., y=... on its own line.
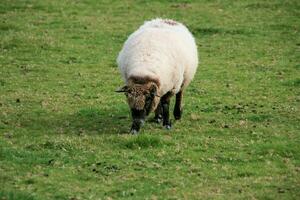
x=143, y=141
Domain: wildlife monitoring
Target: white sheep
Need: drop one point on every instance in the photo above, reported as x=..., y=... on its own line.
x=157, y=61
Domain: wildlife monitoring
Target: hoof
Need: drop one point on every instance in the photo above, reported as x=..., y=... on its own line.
x=177, y=117
x=134, y=132
x=168, y=127
x=177, y=114
x=157, y=120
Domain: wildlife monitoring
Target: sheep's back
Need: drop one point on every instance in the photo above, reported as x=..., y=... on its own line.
x=166, y=52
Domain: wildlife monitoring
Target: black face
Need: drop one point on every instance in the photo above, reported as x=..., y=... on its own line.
x=139, y=116
x=141, y=101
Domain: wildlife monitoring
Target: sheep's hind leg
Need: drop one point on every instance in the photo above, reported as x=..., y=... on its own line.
x=158, y=113
x=177, y=108
x=165, y=102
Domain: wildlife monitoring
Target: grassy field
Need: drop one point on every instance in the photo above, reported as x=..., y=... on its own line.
x=64, y=131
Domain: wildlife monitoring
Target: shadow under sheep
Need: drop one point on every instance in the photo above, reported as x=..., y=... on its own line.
x=100, y=121
x=89, y=120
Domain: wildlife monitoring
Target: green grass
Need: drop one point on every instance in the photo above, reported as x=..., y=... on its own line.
x=64, y=131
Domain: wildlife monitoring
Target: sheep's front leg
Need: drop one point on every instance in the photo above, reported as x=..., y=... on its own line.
x=158, y=113
x=165, y=102
x=177, y=108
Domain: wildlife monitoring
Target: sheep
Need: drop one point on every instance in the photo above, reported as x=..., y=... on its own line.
x=157, y=61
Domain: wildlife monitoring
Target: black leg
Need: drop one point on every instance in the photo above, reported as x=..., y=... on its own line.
x=166, y=119
x=158, y=113
x=177, y=108
x=165, y=102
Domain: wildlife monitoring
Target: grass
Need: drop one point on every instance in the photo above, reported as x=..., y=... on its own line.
x=64, y=131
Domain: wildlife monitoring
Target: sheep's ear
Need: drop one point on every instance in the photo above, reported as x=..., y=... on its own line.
x=123, y=89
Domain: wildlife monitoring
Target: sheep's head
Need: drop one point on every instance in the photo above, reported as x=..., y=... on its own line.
x=142, y=98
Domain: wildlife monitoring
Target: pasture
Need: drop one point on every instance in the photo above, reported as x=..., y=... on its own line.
x=64, y=131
